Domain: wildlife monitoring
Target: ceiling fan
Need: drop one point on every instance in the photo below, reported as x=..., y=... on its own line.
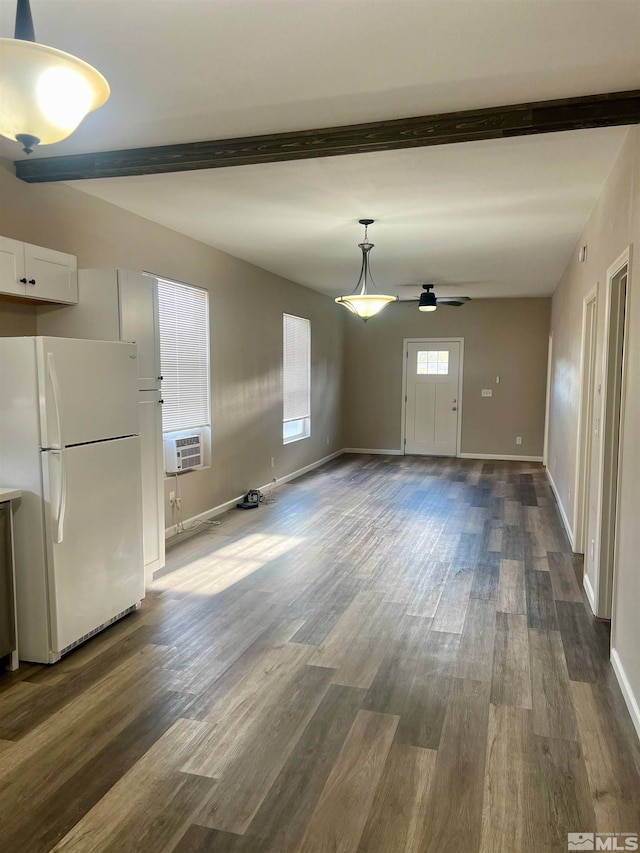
x=428, y=301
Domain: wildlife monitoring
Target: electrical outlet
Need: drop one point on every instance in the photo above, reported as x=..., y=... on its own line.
x=487, y=392
x=273, y=462
x=518, y=439
x=172, y=498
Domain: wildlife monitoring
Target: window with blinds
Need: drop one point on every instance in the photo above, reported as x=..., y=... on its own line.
x=296, y=378
x=184, y=355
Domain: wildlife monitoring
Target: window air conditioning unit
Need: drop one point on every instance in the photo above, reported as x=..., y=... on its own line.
x=183, y=451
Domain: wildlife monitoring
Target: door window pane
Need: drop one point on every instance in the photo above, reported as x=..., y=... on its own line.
x=433, y=362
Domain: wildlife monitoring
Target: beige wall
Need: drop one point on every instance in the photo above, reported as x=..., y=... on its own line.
x=613, y=225
x=502, y=337
x=246, y=307
x=17, y=319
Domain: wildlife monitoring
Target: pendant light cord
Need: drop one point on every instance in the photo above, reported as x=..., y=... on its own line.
x=24, y=22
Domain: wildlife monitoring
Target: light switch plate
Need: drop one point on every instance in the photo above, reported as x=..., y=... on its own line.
x=487, y=392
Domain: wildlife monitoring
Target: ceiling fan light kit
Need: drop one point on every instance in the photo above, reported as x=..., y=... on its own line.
x=45, y=93
x=428, y=300
x=362, y=301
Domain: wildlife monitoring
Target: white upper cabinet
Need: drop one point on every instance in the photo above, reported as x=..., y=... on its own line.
x=33, y=272
x=12, y=278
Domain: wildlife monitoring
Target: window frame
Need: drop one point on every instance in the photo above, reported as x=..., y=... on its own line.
x=296, y=429
x=182, y=428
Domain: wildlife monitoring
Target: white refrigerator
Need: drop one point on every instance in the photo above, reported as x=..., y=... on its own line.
x=69, y=439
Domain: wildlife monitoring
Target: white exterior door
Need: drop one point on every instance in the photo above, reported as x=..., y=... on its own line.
x=431, y=398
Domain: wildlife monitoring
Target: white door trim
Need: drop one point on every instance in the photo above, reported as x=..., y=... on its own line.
x=547, y=404
x=405, y=350
x=609, y=490
x=585, y=421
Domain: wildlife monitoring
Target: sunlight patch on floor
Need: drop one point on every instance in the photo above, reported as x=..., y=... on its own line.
x=220, y=569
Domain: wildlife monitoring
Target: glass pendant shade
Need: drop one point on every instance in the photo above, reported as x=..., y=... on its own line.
x=367, y=305
x=362, y=302
x=44, y=92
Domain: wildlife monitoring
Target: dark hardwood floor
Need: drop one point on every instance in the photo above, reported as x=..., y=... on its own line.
x=395, y=656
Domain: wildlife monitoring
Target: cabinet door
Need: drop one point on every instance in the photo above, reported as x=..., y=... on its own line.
x=138, y=296
x=53, y=274
x=12, y=267
x=152, y=482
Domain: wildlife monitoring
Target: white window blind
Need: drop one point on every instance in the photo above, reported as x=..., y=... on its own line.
x=296, y=368
x=184, y=355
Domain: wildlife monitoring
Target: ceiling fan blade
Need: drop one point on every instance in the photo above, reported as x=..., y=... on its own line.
x=454, y=301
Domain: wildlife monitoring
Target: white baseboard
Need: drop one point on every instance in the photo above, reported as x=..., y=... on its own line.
x=374, y=451
x=591, y=596
x=563, y=514
x=218, y=510
x=304, y=470
x=627, y=692
x=500, y=456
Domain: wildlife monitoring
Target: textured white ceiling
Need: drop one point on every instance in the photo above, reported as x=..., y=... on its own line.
x=183, y=70
x=506, y=213
x=503, y=214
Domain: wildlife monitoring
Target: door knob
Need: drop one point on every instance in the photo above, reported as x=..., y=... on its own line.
x=23, y=281
x=454, y=409
x=32, y=281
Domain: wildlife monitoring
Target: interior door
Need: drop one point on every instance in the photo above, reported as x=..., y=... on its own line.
x=431, y=398
x=94, y=535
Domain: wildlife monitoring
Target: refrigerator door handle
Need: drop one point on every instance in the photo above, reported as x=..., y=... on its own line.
x=62, y=499
x=56, y=402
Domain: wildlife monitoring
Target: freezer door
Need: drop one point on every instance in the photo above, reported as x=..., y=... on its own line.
x=88, y=390
x=93, y=518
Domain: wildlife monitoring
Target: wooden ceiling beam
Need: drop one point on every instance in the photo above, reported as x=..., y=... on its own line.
x=604, y=110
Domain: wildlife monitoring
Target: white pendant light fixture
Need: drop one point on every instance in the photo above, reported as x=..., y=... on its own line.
x=44, y=92
x=363, y=301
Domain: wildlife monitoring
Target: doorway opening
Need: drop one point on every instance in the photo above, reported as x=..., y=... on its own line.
x=602, y=474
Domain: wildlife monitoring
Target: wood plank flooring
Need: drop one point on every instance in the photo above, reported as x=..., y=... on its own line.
x=395, y=656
